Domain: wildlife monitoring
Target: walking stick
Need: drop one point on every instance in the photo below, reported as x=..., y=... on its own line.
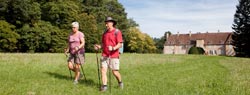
x=81, y=66
x=110, y=73
x=98, y=70
x=69, y=69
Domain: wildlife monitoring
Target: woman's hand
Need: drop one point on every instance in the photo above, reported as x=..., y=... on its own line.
x=97, y=47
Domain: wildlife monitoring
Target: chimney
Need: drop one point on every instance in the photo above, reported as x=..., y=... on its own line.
x=218, y=31
x=167, y=35
x=190, y=34
x=178, y=33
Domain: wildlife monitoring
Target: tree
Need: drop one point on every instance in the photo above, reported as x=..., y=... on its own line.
x=132, y=23
x=150, y=44
x=241, y=27
x=8, y=37
x=139, y=42
x=89, y=28
x=196, y=50
x=42, y=37
x=20, y=12
x=43, y=25
x=60, y=13
x=3, y=8
x=159, y=42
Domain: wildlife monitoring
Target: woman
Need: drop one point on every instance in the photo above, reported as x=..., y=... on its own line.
x=75, y=47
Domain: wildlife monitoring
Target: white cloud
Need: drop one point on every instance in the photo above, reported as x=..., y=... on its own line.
x=158, y=16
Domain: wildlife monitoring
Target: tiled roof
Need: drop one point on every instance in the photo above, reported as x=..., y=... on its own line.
x=209, y=38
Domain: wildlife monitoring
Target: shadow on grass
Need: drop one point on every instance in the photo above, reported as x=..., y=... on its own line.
x=59, y=76
x=88, y=82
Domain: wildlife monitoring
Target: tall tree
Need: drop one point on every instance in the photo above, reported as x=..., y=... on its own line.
x=3, y=9
x=8, y=37
x=63, y=13
x=20, y=12
x=241, y=27
x=159, y=42
x=43, y=25
x=139, y=42
x=149, y=44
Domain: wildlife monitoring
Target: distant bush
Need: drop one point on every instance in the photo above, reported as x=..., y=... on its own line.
x=196, y=50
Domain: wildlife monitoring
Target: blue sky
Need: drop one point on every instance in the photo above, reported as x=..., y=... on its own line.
x=155, y=17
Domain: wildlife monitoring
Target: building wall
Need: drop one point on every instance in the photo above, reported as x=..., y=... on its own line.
x=215, y=49
x=200, y=43
x=180, y=49
x=168, y=50
x=209, y=49
x=229, y=50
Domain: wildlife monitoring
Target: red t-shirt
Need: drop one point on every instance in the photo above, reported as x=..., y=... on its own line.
x=109, y=38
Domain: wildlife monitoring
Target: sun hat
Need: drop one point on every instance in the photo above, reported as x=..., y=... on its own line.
x=110, y=19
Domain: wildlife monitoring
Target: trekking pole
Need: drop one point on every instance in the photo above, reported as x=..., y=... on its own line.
x=98, y=70
x=69, y=69
x=81, y=67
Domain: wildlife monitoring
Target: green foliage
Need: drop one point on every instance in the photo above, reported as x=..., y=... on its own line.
x=89, y=28
x=139, y=42
x=149, y=44
x=43, y=37
x=241, y=27
x=22, y=12
x=60, y=13
x=3, y=8
x=196, y=50
x=159, y=42
x=8, y=37
x=43, y=25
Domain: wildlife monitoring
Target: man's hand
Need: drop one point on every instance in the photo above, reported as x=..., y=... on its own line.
x=110, y=48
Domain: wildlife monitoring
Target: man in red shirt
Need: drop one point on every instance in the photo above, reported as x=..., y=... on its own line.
x=111, y=42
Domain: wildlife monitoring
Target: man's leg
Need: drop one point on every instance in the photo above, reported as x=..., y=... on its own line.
x=104, y=75
x=115, y=66
x=117, y=75
x=104, y=68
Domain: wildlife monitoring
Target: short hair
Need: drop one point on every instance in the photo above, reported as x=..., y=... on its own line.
x=75, y=24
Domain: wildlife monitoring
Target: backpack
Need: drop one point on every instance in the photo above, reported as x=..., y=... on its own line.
x=116, y=31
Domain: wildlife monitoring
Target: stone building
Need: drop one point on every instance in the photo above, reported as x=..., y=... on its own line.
x=213, y=43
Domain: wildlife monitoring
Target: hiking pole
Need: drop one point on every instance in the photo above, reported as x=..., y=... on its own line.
x=81, y=67
x=69, y=68
x=98, y=70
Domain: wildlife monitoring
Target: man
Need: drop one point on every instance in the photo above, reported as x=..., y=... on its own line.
x=75, y=47
x=111, y=42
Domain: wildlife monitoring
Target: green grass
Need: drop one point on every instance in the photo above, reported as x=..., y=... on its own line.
x=143, y=74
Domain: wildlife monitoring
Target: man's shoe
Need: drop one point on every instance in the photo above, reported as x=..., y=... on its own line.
x=121, y=85
x=103, y=88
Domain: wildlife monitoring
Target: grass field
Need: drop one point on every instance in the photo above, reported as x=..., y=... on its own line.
x=143, y=74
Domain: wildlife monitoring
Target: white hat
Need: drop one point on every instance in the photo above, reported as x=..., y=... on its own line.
x=75, y=24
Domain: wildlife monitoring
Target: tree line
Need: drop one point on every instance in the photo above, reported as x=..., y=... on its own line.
x=44, y=25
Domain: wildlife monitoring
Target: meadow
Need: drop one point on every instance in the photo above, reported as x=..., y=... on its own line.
x=143, y=74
